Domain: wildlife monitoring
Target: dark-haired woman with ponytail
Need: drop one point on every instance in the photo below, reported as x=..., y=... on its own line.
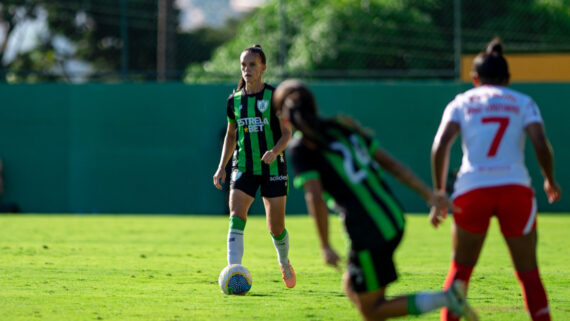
x=493, y=180
x=339, y=164
x=257, y=139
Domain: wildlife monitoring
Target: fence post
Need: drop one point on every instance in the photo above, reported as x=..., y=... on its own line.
x=457, y=38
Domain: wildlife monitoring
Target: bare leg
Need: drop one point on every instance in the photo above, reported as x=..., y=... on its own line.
x=373, y=305
x=466, y=245
x=523, y=253
x=466, y=248
x=275, y=214
x=239, y=203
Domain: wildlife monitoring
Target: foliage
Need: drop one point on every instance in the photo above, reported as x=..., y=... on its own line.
x=309, y=38
x=389, y=38
x=95, y=29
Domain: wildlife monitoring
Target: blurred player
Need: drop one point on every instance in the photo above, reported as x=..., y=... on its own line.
x=257, y=139
x=337, y=162
x=493, y=180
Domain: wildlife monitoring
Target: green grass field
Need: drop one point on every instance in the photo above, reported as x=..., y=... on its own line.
x=166, y=268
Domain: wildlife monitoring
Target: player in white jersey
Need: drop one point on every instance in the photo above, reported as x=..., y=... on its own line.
x=492, y=121
x=493, y=180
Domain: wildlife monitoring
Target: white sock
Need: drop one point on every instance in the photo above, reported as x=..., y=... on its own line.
x=428, y=301
x=235, y=240
x=281, y=243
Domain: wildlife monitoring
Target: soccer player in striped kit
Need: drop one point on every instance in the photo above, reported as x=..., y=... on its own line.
x=493, y=180
x=257, y=139
x=339, y=164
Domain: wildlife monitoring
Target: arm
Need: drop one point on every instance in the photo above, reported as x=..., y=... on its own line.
x=227, y=150
x=270, y=155
x=545, y=158
x=436, y=198
x=402, y=173
x=440, y=154
x=440, y=164
x=320, y=213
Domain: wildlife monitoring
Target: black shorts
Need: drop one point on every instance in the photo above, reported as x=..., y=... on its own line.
x=372, y=269
x=271, y=186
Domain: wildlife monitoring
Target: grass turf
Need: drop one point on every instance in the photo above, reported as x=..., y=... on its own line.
x=70, y=267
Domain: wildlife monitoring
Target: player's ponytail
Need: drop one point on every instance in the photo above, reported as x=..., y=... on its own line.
x=295, y=102
x=256, y=49
x=490, y=66
x=495, y=47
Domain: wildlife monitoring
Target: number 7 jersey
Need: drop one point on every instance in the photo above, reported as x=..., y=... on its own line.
x=492, y=120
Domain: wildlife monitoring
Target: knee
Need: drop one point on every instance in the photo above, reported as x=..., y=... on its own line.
x=373, y=313
x=276, y=230
x=275, y=226
x=376, y=311
x=237, y=213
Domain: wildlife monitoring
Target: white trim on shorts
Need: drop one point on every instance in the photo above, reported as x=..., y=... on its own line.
x=531, y=219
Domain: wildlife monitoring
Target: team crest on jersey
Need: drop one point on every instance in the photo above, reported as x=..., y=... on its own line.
x=262, y=105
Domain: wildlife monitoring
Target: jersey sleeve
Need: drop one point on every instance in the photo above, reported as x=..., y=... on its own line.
x=531, y=113
x=230, y=110
x=304, y=164
x=450, y=114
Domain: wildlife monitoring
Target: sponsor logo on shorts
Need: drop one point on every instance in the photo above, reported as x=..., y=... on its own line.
x=278, y=178
x=356, y=273
x=236, y=175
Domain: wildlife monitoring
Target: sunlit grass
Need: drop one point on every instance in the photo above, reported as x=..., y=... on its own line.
x=73, y=267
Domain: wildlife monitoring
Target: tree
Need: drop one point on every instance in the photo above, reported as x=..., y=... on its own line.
x=109, y=34
x=384, y=38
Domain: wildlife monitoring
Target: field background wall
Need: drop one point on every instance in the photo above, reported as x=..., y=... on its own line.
x=153, y=148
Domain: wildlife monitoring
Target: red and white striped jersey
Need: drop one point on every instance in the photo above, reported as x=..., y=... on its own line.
x=492, y=121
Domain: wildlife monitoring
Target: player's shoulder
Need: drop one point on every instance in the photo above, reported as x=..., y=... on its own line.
x=468, y=95
x=517, y=96
x=459, y=100
x=234, y=93
x=269, y=87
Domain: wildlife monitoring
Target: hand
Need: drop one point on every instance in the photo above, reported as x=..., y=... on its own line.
x=330, y=257
x=220, y=174
x=553, y=191
x=268, y=157
x=439, y=204
x=437, y=216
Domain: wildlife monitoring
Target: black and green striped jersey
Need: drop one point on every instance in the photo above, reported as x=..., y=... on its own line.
x=257, y=131
x=352, y=184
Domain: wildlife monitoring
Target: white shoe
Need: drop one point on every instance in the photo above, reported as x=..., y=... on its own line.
x=457, y=302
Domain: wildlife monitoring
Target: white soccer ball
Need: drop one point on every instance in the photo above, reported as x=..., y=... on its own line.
x=235, y=279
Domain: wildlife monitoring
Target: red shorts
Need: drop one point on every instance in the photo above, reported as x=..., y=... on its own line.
x=514, y=206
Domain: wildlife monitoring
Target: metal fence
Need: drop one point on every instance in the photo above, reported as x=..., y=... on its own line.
x=195, y=40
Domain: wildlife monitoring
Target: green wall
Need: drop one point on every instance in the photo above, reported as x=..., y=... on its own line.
x=153, y=148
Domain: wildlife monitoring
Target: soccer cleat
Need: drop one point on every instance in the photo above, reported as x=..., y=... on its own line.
x=457, y=302
x=288, y=274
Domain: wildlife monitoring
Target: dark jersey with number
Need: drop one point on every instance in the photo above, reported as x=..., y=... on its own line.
x=257, y=131
x=352, y=184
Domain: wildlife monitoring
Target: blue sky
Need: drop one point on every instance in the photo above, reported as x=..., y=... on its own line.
x=196, y=13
